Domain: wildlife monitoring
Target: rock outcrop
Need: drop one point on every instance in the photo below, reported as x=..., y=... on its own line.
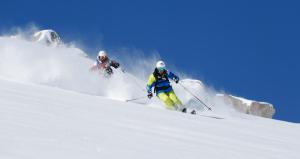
x=243, y=105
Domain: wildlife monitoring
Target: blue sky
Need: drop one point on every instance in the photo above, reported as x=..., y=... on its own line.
x=247, y=48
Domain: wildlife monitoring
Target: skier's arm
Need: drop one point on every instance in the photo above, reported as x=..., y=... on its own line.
x=94, y=67
x=173, y=77
x=114, y=64
x=150, y=83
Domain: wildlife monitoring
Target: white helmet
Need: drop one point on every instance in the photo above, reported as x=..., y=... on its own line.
x=160, y=65
x=101, y=53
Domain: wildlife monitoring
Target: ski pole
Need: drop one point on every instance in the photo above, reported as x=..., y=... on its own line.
x=133, y=99
x=209, y=108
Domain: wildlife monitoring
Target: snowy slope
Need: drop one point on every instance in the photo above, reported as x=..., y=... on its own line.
x=52, y=106
x=67, y=67
x=45, y=122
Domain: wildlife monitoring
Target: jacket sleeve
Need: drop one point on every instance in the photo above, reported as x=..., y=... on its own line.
x=172, y=76
x=93, y=67
x=150, y=83
x=114, y=64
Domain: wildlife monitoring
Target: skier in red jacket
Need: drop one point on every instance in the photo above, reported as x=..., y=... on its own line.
x=104, y=64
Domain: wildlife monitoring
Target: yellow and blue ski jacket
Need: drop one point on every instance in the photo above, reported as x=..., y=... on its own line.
x=160, y=82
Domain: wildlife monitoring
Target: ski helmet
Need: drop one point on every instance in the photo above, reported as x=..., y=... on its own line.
x=101, y=53
x=161, y=66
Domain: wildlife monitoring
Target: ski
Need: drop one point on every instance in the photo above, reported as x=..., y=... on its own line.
x=209, y=116
x=194, y=112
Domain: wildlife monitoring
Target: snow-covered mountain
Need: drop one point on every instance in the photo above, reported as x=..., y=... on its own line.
x=48, y=37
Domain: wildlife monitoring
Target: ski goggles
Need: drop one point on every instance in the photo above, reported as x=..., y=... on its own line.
x=101, y=58
x=161, y=69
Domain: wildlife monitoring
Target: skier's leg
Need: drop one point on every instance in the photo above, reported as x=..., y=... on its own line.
x=165, y=98
x=175, y=100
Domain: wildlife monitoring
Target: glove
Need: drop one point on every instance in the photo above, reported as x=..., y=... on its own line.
x=108, y=70
x=150, y=95
x=176, y=79
x=114, y=64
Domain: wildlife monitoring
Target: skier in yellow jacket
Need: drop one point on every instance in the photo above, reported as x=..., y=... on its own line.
x=159, y=79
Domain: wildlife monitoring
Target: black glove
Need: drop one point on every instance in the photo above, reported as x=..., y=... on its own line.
x=150, y=95
x=176, y=79
x=108, y=70
x=114, y=64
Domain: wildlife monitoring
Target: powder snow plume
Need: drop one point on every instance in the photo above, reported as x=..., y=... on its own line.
x=67, y=67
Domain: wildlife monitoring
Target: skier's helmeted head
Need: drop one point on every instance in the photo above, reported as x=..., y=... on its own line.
x=102, y=56
x=161, y=67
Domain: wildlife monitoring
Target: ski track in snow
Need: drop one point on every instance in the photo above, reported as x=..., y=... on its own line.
x=45, y=122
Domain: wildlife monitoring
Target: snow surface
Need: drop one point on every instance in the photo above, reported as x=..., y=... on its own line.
x=46, y=122
x=51, y=106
